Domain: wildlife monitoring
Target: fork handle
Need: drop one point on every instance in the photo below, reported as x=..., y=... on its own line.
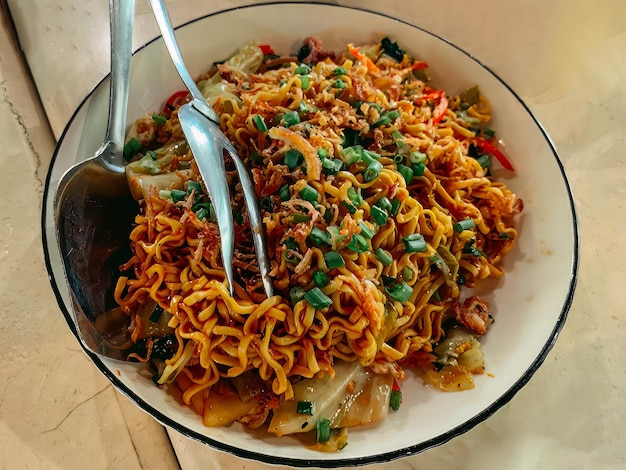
x=169, y=38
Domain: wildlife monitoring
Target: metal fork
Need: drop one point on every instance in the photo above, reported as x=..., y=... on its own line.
x=200, y=124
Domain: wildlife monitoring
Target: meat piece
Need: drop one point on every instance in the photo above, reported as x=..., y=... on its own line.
x=473, y=314
x=316, y=52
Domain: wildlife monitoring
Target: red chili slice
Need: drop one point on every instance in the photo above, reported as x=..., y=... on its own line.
x=175, y=101
x=488, y=147
x=266, y=49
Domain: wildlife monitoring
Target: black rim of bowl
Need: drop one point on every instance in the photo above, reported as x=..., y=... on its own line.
x=327, y=463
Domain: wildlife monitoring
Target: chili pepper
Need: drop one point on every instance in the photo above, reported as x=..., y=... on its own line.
x=488, y=147
x=371, y=66
x=440, y=109
x=266, y=49
x=174, y=101
x=419, y=65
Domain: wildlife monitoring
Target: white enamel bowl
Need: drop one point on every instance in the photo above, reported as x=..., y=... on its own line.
x=530, y=304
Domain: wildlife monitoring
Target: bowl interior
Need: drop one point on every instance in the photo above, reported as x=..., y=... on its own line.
x=530, y=303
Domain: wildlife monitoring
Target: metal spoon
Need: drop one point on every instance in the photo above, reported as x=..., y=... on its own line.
x=94, y=209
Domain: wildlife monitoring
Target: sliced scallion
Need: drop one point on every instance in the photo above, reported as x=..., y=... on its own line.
x=319, y=237
x=358, y=243
x=291, y=118
x=354, y=196
x=399, y=291
x=293, y=158
x=305, y=408
x=320, y=278
x=417, y=157
x=414, y=243
x=323, y=430
x=379, y=215
x=366, y=231
x=309, y=193
x=317, y=299
x=259, y=123
x=178, y=195
x=284, y=193
x=334, y=260
x=383, y=256
x=296, y=294
x=159, y=119
x=395, y=398
x=406, y=172
x=372, y=171
x=465, y=224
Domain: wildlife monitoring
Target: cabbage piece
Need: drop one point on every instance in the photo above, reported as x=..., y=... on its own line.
x=247, y=60
x=141, y=183
x=354, y=396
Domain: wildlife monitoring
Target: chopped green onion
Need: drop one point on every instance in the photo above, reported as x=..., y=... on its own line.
x=399, y=291
x=461, y=280
x=238, y=217
x=368, y=156
x=159, y=119
x=383, y=203
x=152, y=154
x=165, y=194
x=398, y=138
x=394, y=114
x=317, y=299
x=366, y=231
x=155, y=316
x=293, y=158
x=284, y=193
x=256, y=158
x=395, y=206
x=305, y=408
x=414, y=243
x=291, y=118
x=302, y=70
x=395, y=399
x=309, y=193
x=372, y=171
x=417, y=157
x=332, y=166
x=299, y=218
x=339, y=71
x=354, y=196
x=351, y=155
x=407, y=273
x=383, y=256
x=489, y=133
x=349, y=206
x=484, y=161
x=379, y=215
x=304, y=82
x=418, y=169
x=303, y=107
x=296, y=294
x=334, y=260
x=504, y=236
x=351, y=137
x=398, y=158
x=383, y=121
x=322, y=153
x=194, y=186
x=291, y=243
x=266, y=204
x=323, y=430
x=291, y=256
x=465, y=224
x=319, y=237
x=328, y=215
x=258, y=121
x=437, y=296
x=131, y=148
x=320, y=278
x=406, y=172
x=340, y=84
x=202, y=213
x=178, y=195
x=358, y=243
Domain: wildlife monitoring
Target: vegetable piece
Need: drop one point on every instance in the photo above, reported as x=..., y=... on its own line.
x=340, y=84
x=392, y=49
x=323, y=430
x=309, y=193
x=296, y=294
x=178, y=195
x=371, y=66
x=174, y=101
x=465, y=224
x=358, y=243
x=399, y=291
x=194, y=186
x=488, y=147
x=395, y=206
x=156, y=314
x=414, y=243
x=447, y=264
x=304, y=82
x=354, y=196
x=383, y=256
x=131, y=148
x=406, y=172
x=299, y=218
x=294, y=140
x=379, y=215
x=440, y=109
x=417, y=157
x=305, y=407
x=284, y=193
x=339, y=71
x=419, y=169
x=266, y=49
x=484, y=161
x=302, y=70
x=319, y=236
x=293, y=158
x=334, y=260
x=317, y=299
x=395, y=399
x=320, y=278
x=291, y=118
x=470, y=96
x=159, y=119
x=259, y=123
x=372, y=171
x=366, y=231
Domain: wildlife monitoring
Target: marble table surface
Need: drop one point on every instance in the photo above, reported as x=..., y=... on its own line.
x=565, y=58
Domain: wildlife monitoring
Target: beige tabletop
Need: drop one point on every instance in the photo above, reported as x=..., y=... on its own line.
x=565, y=58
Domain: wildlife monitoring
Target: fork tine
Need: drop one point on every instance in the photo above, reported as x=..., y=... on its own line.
x=256, y=221
x=204, y=145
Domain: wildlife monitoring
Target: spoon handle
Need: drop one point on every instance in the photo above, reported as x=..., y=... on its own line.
x=167, y=32
x=122, y=17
